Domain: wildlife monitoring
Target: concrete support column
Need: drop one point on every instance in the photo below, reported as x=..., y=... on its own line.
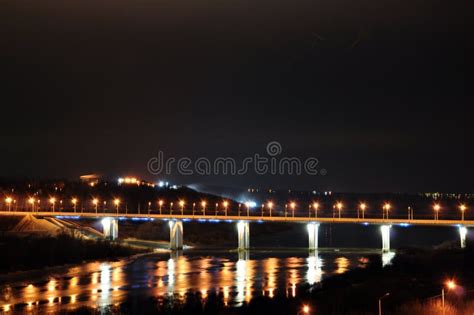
x=244, y=255
x=462, y=235
x=385, y=229
x=243, y=235
x=313, y=230
x=110, y=228
x=176, y=234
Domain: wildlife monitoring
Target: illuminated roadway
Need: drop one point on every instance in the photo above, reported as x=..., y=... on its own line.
x=252, y=218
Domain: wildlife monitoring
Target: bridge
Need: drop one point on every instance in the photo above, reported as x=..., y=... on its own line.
x=110, y=223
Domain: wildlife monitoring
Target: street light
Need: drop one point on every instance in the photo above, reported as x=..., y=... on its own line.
x=304, y=310
x=436, y=209
x=293, y=206
x=194, y=207
x=451, y=285
x=9, y=200
x=203, y=204
x=225, y=203
x=95, y=201
x=171, y=208
x=270, y=206
x=247, y=204
x=339, y=207
x=362, y=208
x=315, y=207
x=380, y=302
x=181, y=203
x=117, y=203
x=160, y=204
x=52, y=201
x=31, y=201
x=386, y=208
x=74, y=203
x=463, y=209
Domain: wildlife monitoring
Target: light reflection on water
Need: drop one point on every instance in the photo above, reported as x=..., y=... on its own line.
x=237, y=277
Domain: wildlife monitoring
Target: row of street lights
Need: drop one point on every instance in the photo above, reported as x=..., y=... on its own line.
x=312, y=209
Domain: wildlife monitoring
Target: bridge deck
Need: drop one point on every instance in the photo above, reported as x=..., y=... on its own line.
x=297, y=219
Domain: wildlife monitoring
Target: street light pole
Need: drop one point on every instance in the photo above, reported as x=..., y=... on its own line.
x=380, y=302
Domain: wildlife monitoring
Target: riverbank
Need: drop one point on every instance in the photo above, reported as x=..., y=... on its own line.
x=35, y=252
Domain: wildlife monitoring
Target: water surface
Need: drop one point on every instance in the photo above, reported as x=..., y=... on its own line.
x=237, y=277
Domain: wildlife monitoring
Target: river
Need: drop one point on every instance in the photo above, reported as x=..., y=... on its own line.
x=237, y=277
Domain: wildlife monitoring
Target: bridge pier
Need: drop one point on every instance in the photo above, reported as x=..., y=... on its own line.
x=313, y=235
x=385, y=229
x=110, y=228
x=176, y=234
x=243, y=232
x=462, y=235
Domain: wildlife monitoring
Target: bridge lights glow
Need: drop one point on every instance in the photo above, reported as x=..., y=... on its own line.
x=339, y=207
x=362, y=207
x=316, y=208
x=160, y=205
x=117, y=204
x=463, y=209
x=225, y=203
x=270, y=207
x=9, y=201
x=436, y=209
x=95, y=202
x=293, y=207
x=386, y=208
x=52, y=201
x=74, y=203
x=248, y=205
x=182, y=203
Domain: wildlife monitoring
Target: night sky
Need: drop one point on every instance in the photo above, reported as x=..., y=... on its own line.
x=376, y=89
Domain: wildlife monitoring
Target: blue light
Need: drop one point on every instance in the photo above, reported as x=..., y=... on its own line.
x=251, y=204
x=67, y=217
x=404, y=224
x=365, y=223
x=142, y=219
